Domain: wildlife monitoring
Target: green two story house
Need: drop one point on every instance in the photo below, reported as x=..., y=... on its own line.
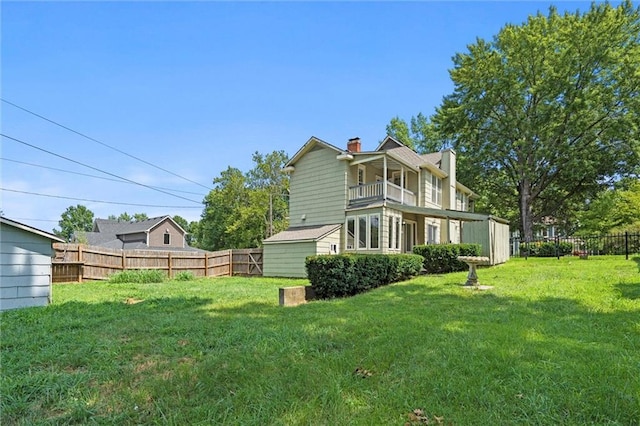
x=381, y=201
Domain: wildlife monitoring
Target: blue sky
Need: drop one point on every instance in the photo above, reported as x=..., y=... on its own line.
x=195, y=87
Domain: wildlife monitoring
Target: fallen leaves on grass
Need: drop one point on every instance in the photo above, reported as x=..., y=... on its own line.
x=361, y=372
x=418, y=416
x=132, y=301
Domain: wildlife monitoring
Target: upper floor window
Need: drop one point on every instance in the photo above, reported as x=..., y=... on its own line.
x=167, y=238
x=461, y=201
x=362, y=174
x=436, y=190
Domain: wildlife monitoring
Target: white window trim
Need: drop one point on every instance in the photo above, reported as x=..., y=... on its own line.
x=364, y=174
x=367, y=237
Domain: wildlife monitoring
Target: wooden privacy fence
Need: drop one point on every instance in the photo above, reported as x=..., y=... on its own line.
x=77, y=262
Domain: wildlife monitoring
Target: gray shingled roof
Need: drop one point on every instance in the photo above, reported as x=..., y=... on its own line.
x=303, y=233
x=120, y=228
x=433, y=158
x=406, y=155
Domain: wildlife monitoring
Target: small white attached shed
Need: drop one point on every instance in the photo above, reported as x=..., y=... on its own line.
x=25, y=265
x=284, y=254
x=492, y=234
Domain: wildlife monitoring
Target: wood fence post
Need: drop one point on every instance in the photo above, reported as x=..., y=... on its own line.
x=206, y=266
x=79, y=252
x=169, y=263
x=230, y=262
x=124, y=260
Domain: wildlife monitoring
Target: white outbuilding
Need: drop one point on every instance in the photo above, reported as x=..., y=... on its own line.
x=25, y=265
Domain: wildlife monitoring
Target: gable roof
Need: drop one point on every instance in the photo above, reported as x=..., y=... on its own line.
x=303, y=233
x=115, y=227
x=308, y=146
x=22, y=226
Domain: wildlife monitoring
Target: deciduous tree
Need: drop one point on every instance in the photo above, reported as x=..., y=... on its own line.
x=243, y=209
x=421, y=135
x=549, y=111
x=74, y=219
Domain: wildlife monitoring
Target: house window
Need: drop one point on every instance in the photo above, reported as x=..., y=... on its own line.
x=374, y=231
x=362, y=175
x=432, y=234
x=395, y=178
x=461, y=201
x=333, y=249
x=394, y=232
x=362, y=232
x=351, y=233
x=436, y=190
x=167, y=238
x=366, y=232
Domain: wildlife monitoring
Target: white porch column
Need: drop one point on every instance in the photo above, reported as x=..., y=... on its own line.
x=384, y=178
x=402, y=184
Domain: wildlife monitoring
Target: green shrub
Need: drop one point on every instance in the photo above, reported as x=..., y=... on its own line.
x=184, y=276
x=346, y=275
x=140, y=276
x=546, y=249
x=443, y=258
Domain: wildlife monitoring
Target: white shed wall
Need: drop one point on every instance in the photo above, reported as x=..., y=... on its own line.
x=25, y=268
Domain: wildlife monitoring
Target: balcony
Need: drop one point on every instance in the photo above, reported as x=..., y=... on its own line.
x=376, y=191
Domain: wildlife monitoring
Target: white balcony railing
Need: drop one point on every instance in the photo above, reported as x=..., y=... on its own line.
x=375, y=191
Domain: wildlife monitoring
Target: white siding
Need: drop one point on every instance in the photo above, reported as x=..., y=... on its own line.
x=318, y=189
x=25, y=268
x=323, y=246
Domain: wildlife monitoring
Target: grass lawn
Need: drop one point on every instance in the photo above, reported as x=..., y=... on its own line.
x=554, y=342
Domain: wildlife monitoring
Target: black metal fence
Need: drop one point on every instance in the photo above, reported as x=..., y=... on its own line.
x=619, y=244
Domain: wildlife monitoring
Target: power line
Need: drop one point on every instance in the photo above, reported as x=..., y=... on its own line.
x=97, y=201
x=34, y=220
x=102, y=143
x=96, y=169
x=93, y=176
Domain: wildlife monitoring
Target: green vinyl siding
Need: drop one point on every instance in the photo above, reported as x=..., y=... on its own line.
x=318, y=189
x=287, y=259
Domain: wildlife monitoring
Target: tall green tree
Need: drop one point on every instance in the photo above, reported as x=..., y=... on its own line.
x=420, y=135
x=549, y=111
x=243, y=209
x=140, y=217
x=189, y=227
x=75, y=219
x=266, y=178
x=220, y=213
x=615, y=209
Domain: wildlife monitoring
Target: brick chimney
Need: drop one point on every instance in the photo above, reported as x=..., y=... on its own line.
x=354, y=145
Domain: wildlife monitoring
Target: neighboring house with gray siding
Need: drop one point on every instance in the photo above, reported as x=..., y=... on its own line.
x=159, y=233
x=25, y=265
x=382, y=201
